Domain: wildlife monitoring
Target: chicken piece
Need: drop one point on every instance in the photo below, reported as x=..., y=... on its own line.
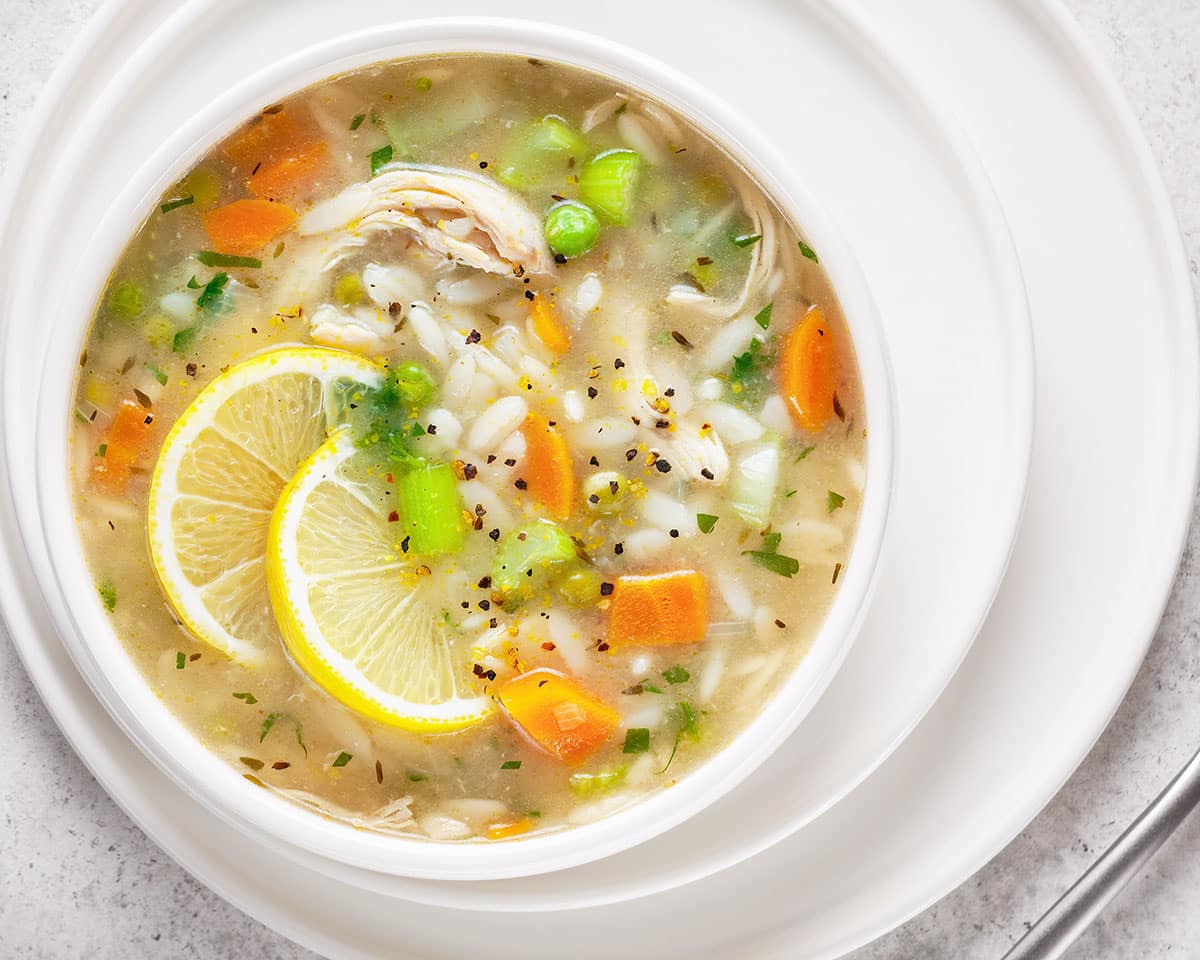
x=364, y=330
x=460, y=215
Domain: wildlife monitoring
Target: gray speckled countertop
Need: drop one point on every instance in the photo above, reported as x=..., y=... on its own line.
x=78, y=879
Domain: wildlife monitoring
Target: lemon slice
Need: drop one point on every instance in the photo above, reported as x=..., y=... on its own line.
x=350, y=605
x=219, y=474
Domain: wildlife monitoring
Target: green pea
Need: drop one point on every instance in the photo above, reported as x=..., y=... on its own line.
x=605, y=492
x=572, y=229
x=414, y=383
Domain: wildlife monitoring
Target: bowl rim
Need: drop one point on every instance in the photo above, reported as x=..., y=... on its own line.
x=99, y=654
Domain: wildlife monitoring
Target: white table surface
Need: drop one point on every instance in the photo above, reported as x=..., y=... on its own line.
x=78, y=879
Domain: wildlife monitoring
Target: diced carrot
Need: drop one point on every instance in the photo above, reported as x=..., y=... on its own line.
x=267, y=137
x=509, y=828
x=548, y=326
x=808, y=371
x=293, y=176
x=548, y=472
x=124, y=443
x=246, y=226
x=558, y=714
x=662, y=609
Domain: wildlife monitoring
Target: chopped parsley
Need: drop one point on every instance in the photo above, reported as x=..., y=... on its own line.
x=769, y=557
x=246, y=697
x=343, y=758
x=749, y=376
x=158, y=374
x=357, y=121
x=102, y=450
x=211, y=258
x=177, y=203
x=424, y=84
x=808, y=252
x=108, y=595
x=180, y=660
x=273, y=718
x=637, y=740
x=834, y=501
x=416, y=776
x=511, y=765
x=212, y=297
x=590, y=784
x=676, y=674
x=706, y=522
x=763, y=317
x=744, y=240
x=380, y=158
x=805, y=452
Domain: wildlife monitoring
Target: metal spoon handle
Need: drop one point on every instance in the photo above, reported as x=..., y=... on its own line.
x=1062, y=924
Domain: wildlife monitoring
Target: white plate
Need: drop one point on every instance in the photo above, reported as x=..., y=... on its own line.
x=960, y=297
x=1091, y=569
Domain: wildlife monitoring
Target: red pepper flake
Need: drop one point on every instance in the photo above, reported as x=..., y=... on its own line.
x=680, y=339
x=491, y=458
x=837, y=570
x=780, y=624
x=378, y=771
x=194, y=657
x=548, y=645
x=602, y=646
x=423, y=570
x=191, y=369
x=280, y=765
x=394, y=517
x=474, y=336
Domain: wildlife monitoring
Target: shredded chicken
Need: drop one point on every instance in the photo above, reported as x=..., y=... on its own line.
x=464, y=217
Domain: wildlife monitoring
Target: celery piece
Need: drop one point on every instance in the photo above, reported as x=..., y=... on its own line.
x=589, y=784
x=581, y=588
x=752, y=484
x=539, y=151
x=349, y=289
x=125, y=299
x=530, y=555
x=608, y=182
x=572, y=229
x=203, y=185
x=432, y=513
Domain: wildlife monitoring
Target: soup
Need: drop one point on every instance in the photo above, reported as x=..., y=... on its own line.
x=467, y=447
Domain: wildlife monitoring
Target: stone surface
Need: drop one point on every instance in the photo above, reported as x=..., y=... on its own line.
x=77, y=878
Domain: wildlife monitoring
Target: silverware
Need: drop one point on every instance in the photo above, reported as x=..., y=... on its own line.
x=1062, y=924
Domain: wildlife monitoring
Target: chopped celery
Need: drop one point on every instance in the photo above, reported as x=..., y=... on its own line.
x=541, y=150
x=608, y=182
x=529, y=555
x=125, y=299
x=571, y=228
x=413, y=383
x=589, y=784
x=202, y=185
x=752, y=485
x=432, y=513
x=349, y=289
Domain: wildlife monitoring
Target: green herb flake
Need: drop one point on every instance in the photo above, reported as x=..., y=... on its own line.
x=180, y=660
x=416, y=776
x=706, y=522
x=184, y=339
x=834, y=501
x=108, y=595
x=763, y=317
x=621, y=109
x=790, y=494
x=533, y=813
x=211, y=258
x=357, y=121
x=637, y=740
x=273, y=718
x=808, y=252
x=278, y=251
x=511, y=765
x=380, y=158
x=177, y=203
x=212, y=297
x=158, y=374
x=676, y=674
x=749, y=376
x=81, y=416
x=769, y=557
x=248, y=698
x=649, y=687
x=193, y=283
x=805, y=452
x=424, y=84
x=746, y=240
x=102, y=450
x=689, y=725
x=343, y=758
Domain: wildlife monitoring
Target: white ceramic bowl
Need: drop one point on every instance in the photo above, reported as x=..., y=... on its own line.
x=100, y=656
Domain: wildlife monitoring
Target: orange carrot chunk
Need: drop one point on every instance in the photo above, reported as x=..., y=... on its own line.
x=808, y=371
x=509, y=828
x=124, y=443
x=246, y=226
x=663, y=609
x=268, y=137
x=294, y=176
x=548, y=472
x=548, y=326
x=558, y=714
